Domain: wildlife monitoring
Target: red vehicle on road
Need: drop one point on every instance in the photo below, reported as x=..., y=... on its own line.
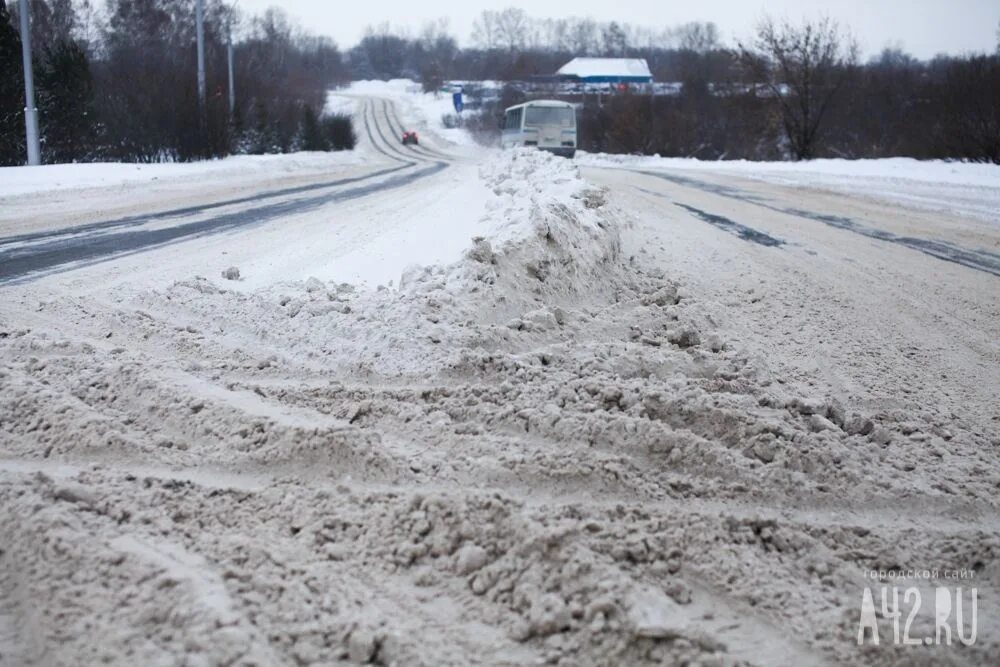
x=410, y=137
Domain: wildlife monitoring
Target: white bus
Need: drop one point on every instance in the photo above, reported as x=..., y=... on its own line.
x=549, y=125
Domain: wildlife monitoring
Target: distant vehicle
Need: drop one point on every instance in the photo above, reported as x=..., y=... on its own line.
x=549, y=125
x=410, y=137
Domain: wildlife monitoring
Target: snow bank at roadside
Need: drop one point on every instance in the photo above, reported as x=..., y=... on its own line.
x=963, y=188
x=16, y=181
x=936, y=171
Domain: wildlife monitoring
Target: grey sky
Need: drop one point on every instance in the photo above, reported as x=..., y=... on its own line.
x=922, y=27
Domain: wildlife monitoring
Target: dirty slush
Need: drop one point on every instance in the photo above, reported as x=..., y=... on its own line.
x=543, y=453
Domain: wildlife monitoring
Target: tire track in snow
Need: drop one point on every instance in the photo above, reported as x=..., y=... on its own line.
x=365, y=108
x=978, y=260
x=395, y=148
x=139, y=220
x=75, y=252
x=387, y=148
x=387, y=105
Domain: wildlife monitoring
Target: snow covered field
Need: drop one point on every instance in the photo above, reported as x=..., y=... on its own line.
x=468, y=407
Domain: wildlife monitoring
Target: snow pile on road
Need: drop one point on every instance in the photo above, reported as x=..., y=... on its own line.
x=550, y=232
x=548, y=237
x=969, y=189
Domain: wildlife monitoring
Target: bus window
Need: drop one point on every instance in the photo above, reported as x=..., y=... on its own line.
x=561, y=116
x=513, y=120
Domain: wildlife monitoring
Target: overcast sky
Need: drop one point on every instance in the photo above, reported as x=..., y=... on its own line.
x=922, y=27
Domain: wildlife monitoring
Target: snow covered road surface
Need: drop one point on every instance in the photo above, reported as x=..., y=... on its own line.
x=617, y=427
x=976, y=258
x=955, y=188
x=29, y=254
x=25, y=254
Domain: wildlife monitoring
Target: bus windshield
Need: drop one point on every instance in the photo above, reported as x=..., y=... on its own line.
x=562, y=116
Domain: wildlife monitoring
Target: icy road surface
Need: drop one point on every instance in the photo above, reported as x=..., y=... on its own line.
x=468, y=407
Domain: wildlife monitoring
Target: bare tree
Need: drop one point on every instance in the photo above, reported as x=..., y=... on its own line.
x=697, y=36
x=558, y=34
x=434, y=54
x=484, y=30
x=803, y=69
x=583, y=36
x=510, y=29
x=513, y=28
x=970, y=118
x=615, y=40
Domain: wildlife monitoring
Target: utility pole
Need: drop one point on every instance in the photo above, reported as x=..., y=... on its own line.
x=232, y=78
x=30, y=111
x=231, y=59
x=200, y=17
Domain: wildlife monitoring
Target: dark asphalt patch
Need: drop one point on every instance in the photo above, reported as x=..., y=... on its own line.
x=981, y=260
x=727, y=225
x=713, y=188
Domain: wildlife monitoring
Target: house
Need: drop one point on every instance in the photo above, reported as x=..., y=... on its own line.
x=606, y=70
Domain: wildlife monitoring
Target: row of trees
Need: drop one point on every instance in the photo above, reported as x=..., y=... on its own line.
x=117, y=81
x=799, y=91
x=509, y=45
x=792, y=91
x=513, y=30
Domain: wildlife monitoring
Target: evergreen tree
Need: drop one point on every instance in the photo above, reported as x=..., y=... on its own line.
x=12, y=149
x=339, y=132
x=262, y=138
x=312, y=138
x=66, y=100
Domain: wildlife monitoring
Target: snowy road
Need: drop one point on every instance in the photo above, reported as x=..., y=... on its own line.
x=645, y=417
x=837, y=214
x=28, y=254
x=876, y=303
